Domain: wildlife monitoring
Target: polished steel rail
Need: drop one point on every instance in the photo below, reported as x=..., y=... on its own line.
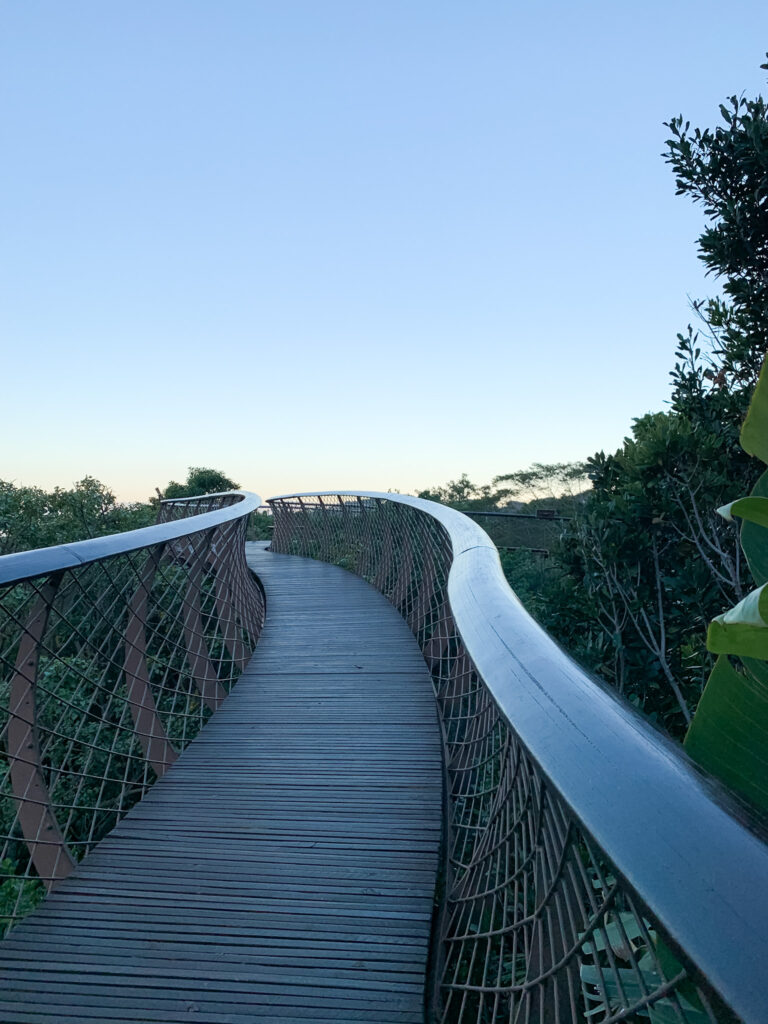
x=113, y=653
x=592, y=872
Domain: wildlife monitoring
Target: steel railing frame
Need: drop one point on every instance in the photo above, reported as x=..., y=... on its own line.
x=594, y=872
x=114, y=652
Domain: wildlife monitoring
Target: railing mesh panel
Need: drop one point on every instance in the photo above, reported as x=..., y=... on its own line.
x=107, y=671
x=534, y=923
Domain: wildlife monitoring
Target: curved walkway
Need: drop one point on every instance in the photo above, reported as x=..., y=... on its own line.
x=284, y=868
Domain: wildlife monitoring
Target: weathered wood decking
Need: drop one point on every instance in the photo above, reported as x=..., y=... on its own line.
x=284, y=867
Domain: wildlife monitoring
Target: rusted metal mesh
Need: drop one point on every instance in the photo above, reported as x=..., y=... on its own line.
x=107, y=671
x=534, y=924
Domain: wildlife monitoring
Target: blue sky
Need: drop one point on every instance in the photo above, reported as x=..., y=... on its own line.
x=325, y=244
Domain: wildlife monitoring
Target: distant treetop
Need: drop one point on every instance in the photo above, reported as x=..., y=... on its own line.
x=200, y=480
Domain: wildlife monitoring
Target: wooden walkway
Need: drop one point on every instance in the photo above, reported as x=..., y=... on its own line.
x=284, y=868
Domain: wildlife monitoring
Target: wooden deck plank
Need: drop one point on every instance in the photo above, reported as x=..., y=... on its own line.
x=284, y=868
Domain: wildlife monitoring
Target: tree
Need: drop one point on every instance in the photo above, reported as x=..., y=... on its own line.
x=729, y=731
x=31, y=517
x=200, y=480
x=726, y=170
x=655, y=561
x=650, y=559
x=554, y=484
x=461, y=494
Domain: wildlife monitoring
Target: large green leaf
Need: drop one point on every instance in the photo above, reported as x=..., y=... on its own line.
x=754, y=509
x=753, y=536
x=617, y=935
x=668, y=1011
x=617, y=989
x=743, y=629
x=729, y=733
x=754, y=432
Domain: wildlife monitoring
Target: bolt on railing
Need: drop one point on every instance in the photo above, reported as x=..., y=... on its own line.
x=592, y=873
x=114, y=652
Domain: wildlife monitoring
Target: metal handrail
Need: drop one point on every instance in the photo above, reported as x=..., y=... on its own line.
x=26, y=565
x=675, y=862
x=114, y=652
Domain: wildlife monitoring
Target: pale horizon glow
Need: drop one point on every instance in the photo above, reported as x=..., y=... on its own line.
x=345, y=245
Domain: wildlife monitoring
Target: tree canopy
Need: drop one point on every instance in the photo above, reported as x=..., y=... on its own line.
x=200, y=480
x=725, y=169
x=31, y=517
x=646, y=562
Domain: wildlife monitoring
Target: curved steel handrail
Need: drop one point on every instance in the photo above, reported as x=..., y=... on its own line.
x=25, y=565
x=113, y=653
x=676, y=841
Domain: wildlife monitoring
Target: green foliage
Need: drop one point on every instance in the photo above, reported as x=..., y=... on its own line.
x=556, y=486
x=729, y=733
x=559, y=488
x=260, y=526
x=18, y=895
x=623, y=960
x=754, y=433
x=536, y=581
x=654, y=560
x=461, y=494
x=744, y=628
x=725, y=169
x=751, y=537
x=200, y=480
x=646, y=561
x=33, y=518
x=616, y=989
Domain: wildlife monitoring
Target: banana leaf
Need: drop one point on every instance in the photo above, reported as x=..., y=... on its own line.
x=729, y=732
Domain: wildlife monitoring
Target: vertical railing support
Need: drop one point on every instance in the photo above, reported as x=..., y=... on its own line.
x=198, y=656
x=150, y=733
x=42, y=834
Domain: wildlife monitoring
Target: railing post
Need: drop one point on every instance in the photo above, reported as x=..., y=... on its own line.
x=150, y=733
x=42, y=834
x=402, y=583
x=197, y=654
x=225, y=586
x=386, y=547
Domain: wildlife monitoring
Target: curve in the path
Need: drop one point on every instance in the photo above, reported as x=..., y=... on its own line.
x=284, y=868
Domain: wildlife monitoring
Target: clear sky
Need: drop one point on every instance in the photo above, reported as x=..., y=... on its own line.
x=345, y=243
